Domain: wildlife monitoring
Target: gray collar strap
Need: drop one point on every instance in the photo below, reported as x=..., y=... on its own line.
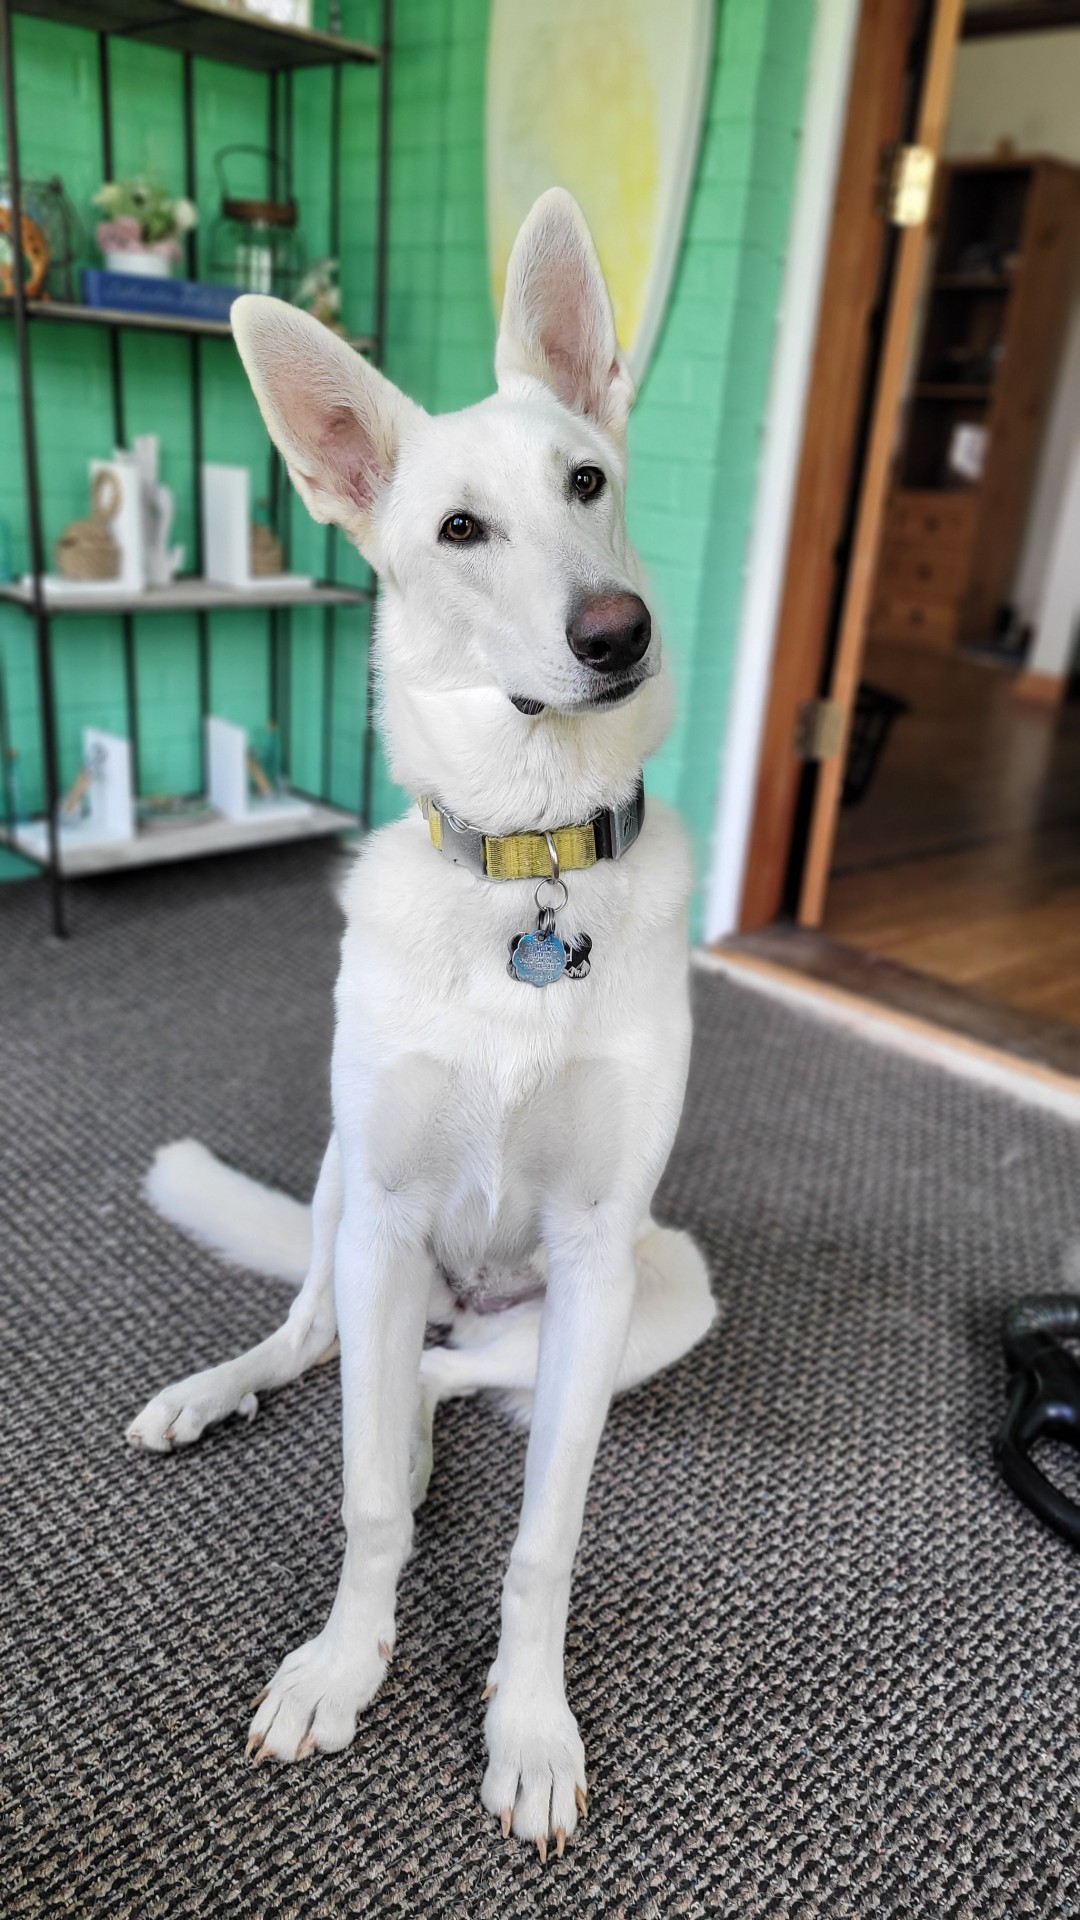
x=527, y=856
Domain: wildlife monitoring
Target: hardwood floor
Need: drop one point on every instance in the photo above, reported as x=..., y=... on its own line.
x=963, y=859
x=916, y=999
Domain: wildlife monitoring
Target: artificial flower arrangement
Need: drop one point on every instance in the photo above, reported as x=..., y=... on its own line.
x=144, y=225
x=319, y=293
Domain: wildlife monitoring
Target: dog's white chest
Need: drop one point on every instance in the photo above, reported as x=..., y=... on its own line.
x=498, y=1167
x=504, y=1098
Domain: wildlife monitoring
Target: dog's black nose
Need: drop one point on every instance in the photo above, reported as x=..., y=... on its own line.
x=610, y=632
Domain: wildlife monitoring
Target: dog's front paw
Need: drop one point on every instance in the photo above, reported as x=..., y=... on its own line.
x=535, y=1780
x=315, y=1698
x=179, y=1415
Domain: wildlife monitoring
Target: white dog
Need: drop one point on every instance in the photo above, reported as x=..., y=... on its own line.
x=512, y=1012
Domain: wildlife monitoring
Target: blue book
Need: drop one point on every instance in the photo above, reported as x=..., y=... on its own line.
x=141, y=293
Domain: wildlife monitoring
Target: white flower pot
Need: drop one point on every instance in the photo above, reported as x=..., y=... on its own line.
x=136, y=260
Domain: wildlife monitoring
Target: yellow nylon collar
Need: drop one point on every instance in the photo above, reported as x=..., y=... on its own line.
x=524, y=856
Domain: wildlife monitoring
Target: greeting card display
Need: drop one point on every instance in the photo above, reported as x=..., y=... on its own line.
x=228, y=559
x=237, y=784
x=98, y=809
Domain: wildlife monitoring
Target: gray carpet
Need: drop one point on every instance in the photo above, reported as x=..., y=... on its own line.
x=823, y=1664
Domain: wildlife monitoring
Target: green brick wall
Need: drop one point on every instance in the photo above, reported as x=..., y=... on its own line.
x=695, y=433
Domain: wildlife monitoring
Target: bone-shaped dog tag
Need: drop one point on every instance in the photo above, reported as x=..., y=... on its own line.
x=541, y=958
x=538, y=958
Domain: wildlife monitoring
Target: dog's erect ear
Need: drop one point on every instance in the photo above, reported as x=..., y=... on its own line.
x=557, y=323
x=336, y=420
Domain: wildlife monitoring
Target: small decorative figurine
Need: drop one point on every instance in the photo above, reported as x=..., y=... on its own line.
x=35, y=250
x=162, y=562
x=52, y=243
x=86, y=549
x=267, y=555
x=264, y=761
x=127, y=527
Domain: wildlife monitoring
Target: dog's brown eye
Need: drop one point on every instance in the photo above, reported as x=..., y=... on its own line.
x=588, y=482
x=459, y=527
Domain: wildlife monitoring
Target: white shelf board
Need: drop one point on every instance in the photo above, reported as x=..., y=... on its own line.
x=77, y=313
x=213, y=28
x=159, y=841
x=184, y=596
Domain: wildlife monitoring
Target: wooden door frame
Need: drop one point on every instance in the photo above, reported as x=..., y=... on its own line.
x=871, y=270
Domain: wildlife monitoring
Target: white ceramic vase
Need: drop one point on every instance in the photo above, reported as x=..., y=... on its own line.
x=137, y=260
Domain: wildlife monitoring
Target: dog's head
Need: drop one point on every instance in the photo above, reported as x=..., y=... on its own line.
x=519, y=662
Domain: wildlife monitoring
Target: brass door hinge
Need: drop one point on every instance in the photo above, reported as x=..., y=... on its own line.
x=907, y=180
x=819, y=729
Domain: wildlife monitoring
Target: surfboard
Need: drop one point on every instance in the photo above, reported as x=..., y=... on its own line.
x=606, y=98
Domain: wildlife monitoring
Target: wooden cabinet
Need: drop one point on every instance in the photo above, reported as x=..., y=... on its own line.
x=997, y=301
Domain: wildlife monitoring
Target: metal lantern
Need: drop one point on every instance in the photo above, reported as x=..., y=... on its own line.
x=255, y=243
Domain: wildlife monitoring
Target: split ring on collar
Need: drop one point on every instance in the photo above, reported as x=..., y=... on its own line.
x=552, y=906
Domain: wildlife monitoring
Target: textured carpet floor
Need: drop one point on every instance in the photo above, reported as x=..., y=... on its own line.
x=823, y=1664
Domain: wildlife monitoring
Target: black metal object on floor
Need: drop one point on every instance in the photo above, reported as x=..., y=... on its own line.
x=1044, y=1403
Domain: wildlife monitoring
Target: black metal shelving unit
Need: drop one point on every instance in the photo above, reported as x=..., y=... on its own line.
x=205, y=29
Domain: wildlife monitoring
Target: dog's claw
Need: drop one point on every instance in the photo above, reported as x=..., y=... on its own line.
x=254, y=1740
x=264, y=1753
x=488, y=1691
x=541, y=1848
x=386, y=1650
x=505, y=1820
x=582, y=1802
x=259, y=1698
x=560, y=1842
x=307, y=1747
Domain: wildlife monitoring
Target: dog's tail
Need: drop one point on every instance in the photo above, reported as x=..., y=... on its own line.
x=246, y=1224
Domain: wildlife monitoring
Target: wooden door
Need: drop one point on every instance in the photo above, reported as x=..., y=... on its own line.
x=934, y=93
x=899, y=92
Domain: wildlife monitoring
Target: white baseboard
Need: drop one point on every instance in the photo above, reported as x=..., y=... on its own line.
x=1027, y=1081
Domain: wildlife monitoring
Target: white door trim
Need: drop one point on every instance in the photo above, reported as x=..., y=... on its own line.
x=831, y=49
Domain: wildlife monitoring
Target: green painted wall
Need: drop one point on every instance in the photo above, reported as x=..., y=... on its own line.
x=696, y=429
x=695, y=433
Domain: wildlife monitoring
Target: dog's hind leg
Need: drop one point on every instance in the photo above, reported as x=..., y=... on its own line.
x=673, y=1305
x=182, y=1412
x=498, y=1352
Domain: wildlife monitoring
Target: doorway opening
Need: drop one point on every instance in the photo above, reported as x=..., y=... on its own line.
x=924, y=810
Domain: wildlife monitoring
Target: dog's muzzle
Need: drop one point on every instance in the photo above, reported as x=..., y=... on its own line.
x=610, y=633
x=611, y=695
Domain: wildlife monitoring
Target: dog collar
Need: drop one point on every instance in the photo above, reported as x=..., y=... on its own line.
x=606, y=835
